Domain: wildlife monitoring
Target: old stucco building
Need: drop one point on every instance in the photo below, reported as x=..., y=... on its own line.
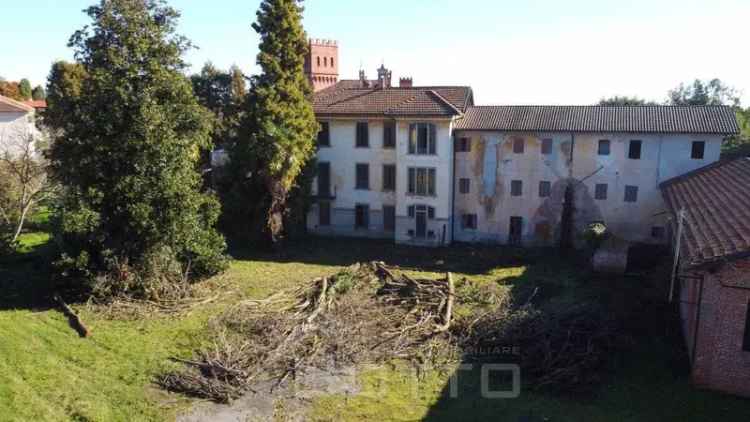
x=425, y=165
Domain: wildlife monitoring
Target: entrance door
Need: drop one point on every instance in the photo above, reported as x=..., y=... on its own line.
x=516, y=231
x=421, y=217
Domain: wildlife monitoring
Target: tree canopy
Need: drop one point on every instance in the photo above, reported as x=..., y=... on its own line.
x=278, y=132
x=712, y=92
x=24, y=89
x=128, y=135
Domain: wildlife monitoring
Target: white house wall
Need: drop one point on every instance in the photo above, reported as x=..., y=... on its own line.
x=343, y=155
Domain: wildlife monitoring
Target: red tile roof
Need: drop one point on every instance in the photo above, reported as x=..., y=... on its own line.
x=640, y=119
x=349, y=98
x=37, y=104
x=11, y=105
x=716, y=200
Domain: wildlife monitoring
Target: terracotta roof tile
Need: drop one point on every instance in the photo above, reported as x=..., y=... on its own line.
x=716, y=200
x=348, y=97
x=641, y=119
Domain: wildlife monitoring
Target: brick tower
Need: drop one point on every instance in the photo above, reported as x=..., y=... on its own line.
x=322, y=63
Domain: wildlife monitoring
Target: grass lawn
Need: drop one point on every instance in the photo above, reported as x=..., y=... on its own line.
x=48, y=373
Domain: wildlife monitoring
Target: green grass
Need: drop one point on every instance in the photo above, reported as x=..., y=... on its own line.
x=48, y=373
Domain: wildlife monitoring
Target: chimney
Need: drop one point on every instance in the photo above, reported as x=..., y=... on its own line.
x=364, y=83
x=405, y=83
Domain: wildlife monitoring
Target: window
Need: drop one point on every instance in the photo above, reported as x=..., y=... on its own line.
x=363, y=135
x=324, y=135
x=324, y=179
x=544, y=189
x=325, y=61
x=389, y=135
x=324, y=213
x=422, y=139
x=699, y=149
x=361, y=216
x=421, y=181
x=332, y=62
x=746, y=339
x=431, y=213
x=389, y=218
x=657, y=232
x=318, y=60
x=469, y=221
x=631, y=193
x=518, y=144
x=546, y=146
x=463, y=145
x=363, y=176
x=604, y=147
x=516, y=188
x=600, y=191
x=389, y=177
x=634, y=152
x=464, y=185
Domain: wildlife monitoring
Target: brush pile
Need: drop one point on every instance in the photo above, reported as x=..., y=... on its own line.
x=364, y=314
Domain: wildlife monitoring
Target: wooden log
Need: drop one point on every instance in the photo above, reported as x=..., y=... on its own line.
x=73, y=319
x=448, y=308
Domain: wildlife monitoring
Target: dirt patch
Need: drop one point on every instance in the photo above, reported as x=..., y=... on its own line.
x=290, y=403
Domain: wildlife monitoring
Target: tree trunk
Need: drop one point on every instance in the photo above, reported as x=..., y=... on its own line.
x=566, y=220
x=275, y=216
x=21, y=220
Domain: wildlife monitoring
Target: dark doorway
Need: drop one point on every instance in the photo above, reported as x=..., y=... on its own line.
x=389, y=218
x=324, y=180
x=324, y=213
x=361, y=217
x=516, y=231
x=421, y=216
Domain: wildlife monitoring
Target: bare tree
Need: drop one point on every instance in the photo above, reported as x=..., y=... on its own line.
x=23, y=175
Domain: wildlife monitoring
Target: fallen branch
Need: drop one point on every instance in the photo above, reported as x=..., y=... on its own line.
x=73, y=319
x=449, y=307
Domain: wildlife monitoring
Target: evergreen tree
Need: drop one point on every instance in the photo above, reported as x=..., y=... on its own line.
x=128, y=148
x=239, y=88
x=24, y=88
x=278, y=134
x=39, y=93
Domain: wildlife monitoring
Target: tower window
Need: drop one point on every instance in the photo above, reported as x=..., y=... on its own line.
x=331, y=61
x=325, y=61
x=318, y=60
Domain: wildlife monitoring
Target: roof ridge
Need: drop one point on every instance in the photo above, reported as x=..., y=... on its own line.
x=17, y=104
x=600, y=106
x=448, y=103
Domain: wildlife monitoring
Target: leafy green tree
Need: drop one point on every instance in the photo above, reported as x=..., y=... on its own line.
x=39, y=93
x=128, y=136
x=713, y=92
x=278, y=133
x=624, y=100
x=24, y=89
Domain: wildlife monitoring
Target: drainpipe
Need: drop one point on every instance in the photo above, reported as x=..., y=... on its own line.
x=453, y=188
x=697, y=323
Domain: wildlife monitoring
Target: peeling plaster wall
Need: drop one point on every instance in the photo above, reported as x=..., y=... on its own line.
x=343, y=156
x=491, y=165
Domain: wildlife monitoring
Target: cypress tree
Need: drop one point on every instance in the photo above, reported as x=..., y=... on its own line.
x=278, y=133
x=24, y=88
x=128, y=144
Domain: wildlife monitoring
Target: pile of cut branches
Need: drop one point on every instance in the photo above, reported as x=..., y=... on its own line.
x=363, y=314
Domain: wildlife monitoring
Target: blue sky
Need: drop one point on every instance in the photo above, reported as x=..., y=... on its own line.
x=510, y=52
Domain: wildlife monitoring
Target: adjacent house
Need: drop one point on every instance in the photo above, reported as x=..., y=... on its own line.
x=711, y=212
x=424, y=165
x=16, y=122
